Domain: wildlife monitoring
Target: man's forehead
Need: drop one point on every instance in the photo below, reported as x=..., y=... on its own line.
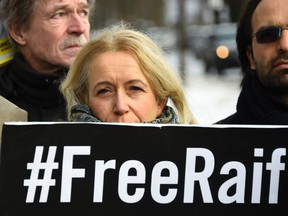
x=53, y=2
x=46, y=5
x=269, y=12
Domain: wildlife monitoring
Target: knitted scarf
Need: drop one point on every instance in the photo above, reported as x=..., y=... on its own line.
x=82, y=113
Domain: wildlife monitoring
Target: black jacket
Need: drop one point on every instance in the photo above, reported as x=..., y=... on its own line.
x=37, y=93
x=255, y=107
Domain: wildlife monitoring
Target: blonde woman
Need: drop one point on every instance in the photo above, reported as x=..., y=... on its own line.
x=121, y=75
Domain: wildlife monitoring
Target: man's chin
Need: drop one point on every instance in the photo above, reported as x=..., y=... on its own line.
x=68, y=60
x=280, y=88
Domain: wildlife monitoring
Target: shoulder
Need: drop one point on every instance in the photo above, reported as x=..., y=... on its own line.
x=6, y=84
x=232, y=119
x=4, y=70
x=10, y=112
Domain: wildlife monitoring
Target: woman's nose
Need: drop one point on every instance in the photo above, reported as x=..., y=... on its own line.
x=121, y=104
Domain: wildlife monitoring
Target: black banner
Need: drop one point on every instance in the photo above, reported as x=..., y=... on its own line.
x=105, y=169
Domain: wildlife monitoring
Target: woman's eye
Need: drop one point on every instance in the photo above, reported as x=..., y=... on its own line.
x=102, y=91
x=136, y=88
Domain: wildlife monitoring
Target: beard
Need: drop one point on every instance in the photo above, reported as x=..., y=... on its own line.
x=274, y=80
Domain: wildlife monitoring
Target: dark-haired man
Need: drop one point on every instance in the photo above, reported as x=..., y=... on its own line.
x=262, y=41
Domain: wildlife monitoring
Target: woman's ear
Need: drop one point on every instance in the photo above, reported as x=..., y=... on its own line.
x=16, y=33
x=249, y=53
x=162, y=103
x=82, y=100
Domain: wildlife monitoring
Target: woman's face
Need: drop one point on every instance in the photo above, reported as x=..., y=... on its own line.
x=118, y=91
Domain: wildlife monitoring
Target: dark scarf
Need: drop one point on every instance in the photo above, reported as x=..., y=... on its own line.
x=255, y=107
x=82, y=113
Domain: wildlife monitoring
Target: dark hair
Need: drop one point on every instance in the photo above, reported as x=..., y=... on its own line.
x=244, y=34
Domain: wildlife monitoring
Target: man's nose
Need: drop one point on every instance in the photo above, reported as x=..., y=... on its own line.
x=78, y=24
x=283, y=42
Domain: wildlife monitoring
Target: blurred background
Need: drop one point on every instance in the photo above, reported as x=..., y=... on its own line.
x=198, y=37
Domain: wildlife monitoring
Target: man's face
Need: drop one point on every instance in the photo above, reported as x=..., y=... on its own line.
x=58, y=30
x=270, y=60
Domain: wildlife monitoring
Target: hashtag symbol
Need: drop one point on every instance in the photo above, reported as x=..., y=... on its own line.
x=47, y=180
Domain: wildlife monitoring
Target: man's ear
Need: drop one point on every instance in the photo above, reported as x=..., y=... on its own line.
x=16, y=33
x=250, y=55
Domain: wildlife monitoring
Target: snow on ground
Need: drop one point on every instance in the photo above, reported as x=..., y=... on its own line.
x=211, y=97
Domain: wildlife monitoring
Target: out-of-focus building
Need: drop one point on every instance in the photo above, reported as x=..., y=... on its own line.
x=165, y=12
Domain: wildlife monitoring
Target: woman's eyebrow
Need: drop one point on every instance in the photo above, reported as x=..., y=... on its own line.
x=137, y=81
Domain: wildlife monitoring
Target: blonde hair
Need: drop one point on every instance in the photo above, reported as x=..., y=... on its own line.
x=122, y=37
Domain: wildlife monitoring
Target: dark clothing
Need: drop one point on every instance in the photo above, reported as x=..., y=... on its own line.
x=37, y=93
x=255, y=107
